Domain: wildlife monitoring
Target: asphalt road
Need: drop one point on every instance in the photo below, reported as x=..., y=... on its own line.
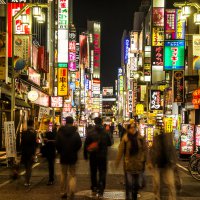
x=15, y=190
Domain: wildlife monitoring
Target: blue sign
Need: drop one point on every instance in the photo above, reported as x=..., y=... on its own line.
x=72, y=86
x=126, y=49
x=120, y=71
x=86, y=84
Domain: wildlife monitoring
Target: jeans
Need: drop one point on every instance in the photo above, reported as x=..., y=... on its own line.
x=28, y=168
x=68, y=179
x=51, y=162
x=98, y=165
x=132, y=185
x=167, y=175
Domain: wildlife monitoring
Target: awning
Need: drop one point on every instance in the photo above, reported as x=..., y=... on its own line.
x=19, y=102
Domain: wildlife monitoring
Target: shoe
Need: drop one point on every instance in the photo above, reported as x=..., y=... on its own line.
x=27, y=184
x=64, y=196
x=50, y=183
x=100, y=195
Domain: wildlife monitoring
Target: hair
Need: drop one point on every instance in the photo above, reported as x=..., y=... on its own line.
x=30, y=123
x=98, y=121
x=134, y=141
x=69, y=120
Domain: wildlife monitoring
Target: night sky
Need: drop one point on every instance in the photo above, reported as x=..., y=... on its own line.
x=115, y=16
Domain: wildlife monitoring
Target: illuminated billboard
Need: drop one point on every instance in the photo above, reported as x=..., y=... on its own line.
x=62, y=81
x=174, y=55
x=72, y=51
x=126, y=49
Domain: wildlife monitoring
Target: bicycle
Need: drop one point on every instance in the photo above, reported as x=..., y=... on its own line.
x=194, y=165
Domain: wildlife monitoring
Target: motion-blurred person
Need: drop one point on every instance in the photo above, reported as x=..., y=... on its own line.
x=112, y=128
x=68, y=143
x=121, y=130
x=28, y=149
x=96, y=147
x=133, y=149
x=163, y=160
x=50, y=152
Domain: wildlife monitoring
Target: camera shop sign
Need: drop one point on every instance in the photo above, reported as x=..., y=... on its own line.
x=178, y=86
x=155, y=103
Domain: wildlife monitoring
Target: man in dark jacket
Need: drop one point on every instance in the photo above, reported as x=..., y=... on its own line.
x=28, y=149
x=68, y=143
x=96, y=146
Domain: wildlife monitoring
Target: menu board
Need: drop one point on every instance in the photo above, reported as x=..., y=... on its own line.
x=187, y=139
x=197, y=139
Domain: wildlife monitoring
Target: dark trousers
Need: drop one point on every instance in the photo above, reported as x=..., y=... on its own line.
x=98, y=165
x=28, y=168
x=51, y=163
x=132, y=185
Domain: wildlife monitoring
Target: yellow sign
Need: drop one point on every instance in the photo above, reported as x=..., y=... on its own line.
x=62, y=81
x=158, y=36
x=168, y=123
x=139, y=109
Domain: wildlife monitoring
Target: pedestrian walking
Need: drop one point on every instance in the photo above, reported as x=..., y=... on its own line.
x=68, y=143
x=50, y=152
x=121, y=130
x=28, y=149
x=163, y=161
x=96, y=149
x=133, y=149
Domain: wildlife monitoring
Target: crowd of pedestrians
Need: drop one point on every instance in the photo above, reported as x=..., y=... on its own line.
x=160, y=158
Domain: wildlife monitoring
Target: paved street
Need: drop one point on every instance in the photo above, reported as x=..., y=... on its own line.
x=14, y=190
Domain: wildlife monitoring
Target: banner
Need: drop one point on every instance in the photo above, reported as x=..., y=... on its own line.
x=174, y=55
x=22, y=48
x=62, y=82
x=155, y=100
x=43, y=111
x=10, y=139
x=178, y=86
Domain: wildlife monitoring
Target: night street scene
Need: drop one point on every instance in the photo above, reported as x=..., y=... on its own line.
x=100, y=99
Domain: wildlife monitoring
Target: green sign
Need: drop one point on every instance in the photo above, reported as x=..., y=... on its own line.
x=174, y=55
x=62, y=65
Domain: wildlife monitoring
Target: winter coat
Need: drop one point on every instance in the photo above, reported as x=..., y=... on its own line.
x=100, y=135
x=162, y=153
x=50, y=145
x=68, y=143
x=132, y=163
x=28, y=144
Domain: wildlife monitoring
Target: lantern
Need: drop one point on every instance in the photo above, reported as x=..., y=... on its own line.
x=186, y=10
x=41, y=19
x=25, y=19
x=197, y=18
x=37, y=11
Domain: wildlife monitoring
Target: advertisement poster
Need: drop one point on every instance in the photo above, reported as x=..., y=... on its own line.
x=10, y=139
x=178, y=86
x=170, y=24
x=187, y=139
x=174, y=58
x=43, y=111
x=22, y=48
x=157, y=56
x=196, y=62
x=197, y=135
x=155, y=100
x=62, y=82
x=158, y=16
x=196, y=45
x=158, y=36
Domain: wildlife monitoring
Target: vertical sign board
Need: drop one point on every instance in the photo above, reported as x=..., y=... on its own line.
x=43, y=111
x=134, y=97
x=178, y=86
x=62, y=82
x=155, y=100
x=196, y=52
x=72, y=51
x=126, y=49
x=97, y=49
x=130, y=101
x=77, y=55
x=157, y=56
x=10, y=139
x=180, y=26
x=63, y=24
x=174, y=55
x=3, y=57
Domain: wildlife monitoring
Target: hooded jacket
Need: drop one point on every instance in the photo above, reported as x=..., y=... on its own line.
x=68, y=143
x=98, y=134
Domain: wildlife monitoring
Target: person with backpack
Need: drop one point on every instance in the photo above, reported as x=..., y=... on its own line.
x=28, y=149
x=133, y=149
x=68, y=143
x=163, y=163
x=96, y=149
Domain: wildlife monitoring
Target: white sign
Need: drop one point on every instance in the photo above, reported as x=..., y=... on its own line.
x=56, y=102
x=33, y=95
x=130, y=101
x=62, y=46
x=10, y=139
x=196, y=45
x=43, y=112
